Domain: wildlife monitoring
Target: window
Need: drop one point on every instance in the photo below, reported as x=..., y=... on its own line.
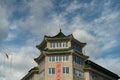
x=76, y=47
x=65, y=58
x=78, y=73
x=66, y=44
x=50, y=58
x=58, y=58
x=51, y=44
x=53, y=58
x=66, y=70
x=58, y=44
x=77, y=60
x=63, y=43
x=51, y=70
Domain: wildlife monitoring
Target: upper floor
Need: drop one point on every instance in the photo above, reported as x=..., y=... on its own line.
x=60, y=42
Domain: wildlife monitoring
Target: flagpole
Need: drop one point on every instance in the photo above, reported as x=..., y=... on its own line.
x=4, y=65
x=7, y=57
x=4, y=69
x=10, y=66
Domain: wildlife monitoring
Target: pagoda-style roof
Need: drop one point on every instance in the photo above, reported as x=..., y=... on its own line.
x=30, y=72
x=59, y=35
x=33, y=69
x=39, y=57
x=91, y=65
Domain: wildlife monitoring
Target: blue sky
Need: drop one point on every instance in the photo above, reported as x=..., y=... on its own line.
x=23, y=24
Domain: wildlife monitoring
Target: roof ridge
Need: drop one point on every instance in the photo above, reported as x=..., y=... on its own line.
x=59, y=35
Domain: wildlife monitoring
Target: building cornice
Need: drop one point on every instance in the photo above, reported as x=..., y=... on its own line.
x=30, y=72
x=89, y=65
x=80, y=54
x=39, y=57
x=100, y=73
x=55, y=52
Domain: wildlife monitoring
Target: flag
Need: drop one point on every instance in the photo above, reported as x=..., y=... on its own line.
x=6, y=55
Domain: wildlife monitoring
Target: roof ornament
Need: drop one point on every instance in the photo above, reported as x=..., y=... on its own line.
x=60, y=30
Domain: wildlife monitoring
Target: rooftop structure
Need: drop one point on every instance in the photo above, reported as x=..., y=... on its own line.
x=61, y=58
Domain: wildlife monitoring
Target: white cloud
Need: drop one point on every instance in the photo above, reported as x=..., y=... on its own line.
x=3, y=24
x=110, y=63
x=36, y=22
x=104, y=28
x=10, y=37
x=73, y=6
x=108, y=29
x=109, y=45
x=92, y=46
x=21, y=59
x=101, y=31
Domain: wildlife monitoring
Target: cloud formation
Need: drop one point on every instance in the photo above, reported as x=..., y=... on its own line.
x=24, y=23
x=3, y=24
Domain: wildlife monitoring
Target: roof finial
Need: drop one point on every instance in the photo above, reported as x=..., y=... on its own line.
x=60, y=29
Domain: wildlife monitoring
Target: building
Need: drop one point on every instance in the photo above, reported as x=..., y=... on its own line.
x=61, y=58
